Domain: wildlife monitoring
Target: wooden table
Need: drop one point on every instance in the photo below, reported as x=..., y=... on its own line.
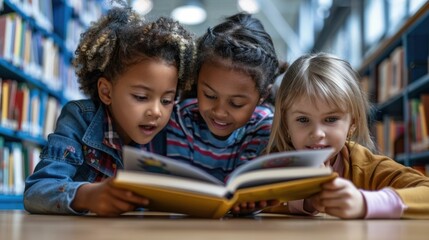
x=17, y=225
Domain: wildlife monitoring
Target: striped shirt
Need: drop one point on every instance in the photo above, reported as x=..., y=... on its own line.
x=189, y=139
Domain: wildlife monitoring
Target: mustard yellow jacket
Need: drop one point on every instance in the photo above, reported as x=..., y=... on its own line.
x=374, y=172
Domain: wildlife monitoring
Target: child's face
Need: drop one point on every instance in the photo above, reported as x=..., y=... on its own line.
x=142, y=100
x=227, y=98
x=317, y=126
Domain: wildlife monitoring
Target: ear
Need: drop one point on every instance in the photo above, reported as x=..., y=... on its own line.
x=104, y=90
x=352, y=129
x=266, y=94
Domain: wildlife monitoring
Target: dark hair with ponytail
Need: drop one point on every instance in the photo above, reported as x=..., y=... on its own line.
x=241, y=43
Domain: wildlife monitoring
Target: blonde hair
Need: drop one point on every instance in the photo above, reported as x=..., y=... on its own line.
x=320, y=77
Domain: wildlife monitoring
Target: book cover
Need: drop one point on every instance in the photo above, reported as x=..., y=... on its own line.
x=397, y=68
x=5, y=102
x=174, y=186
x=19, y=104
x=51, y=116
x=3, y=27
x=384, y=80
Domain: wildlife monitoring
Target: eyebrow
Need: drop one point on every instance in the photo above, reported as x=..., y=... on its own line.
x=173, y=91
x=328, y=113
x=233, y=96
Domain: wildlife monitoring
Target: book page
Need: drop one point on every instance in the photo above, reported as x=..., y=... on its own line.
x=301, y=158
x=139, y=160
x=275, y=175
x=150, y=180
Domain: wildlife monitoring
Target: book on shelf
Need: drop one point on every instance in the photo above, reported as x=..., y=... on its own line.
x=397, y=67
x=174, y=186
x=384, y=80
x=419, y=116
x=52, y=112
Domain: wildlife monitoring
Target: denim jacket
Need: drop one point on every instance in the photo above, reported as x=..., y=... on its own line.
x=63, y=166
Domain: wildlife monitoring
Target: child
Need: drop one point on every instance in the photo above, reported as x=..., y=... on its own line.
x=131, y=70
x=319, y=104
x=228, y=122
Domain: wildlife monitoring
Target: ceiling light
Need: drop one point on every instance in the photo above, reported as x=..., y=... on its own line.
x=142, y=7
x=191, y=13
x=249, y=6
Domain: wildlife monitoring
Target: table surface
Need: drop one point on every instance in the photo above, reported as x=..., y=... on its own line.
x=16, y=225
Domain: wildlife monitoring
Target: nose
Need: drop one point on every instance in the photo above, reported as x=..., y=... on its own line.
x=154, y=110
x=317, y=133
x=219, y=109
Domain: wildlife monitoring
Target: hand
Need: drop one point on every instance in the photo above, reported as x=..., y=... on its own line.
x=105, y=200
x=247, y=208
x=339, y=198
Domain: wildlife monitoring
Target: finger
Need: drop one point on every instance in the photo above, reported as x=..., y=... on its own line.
x=112, y=207
x=334, y=202
x=335, y=211
x=271, y=203
x=348, y=192
x=136, y=199
x=127, y=195
x=121, y=206
x=314, y=203
x=262, y=204
x=342, y=192
x=335, y=184
x=344, y=213
x=235, y=209
x=251, y=205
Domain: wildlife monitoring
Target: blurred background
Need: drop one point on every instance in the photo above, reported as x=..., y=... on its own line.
x=347, y=28
x=280, y=17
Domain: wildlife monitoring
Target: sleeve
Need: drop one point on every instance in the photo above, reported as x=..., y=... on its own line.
x=257, y=135
x=383, y=204
x=380, y=172
x=53, y=185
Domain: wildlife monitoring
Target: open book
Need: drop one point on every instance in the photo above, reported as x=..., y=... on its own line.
x=175, y=186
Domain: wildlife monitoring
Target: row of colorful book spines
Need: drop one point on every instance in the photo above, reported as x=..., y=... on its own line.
x=419, y=123
x=26, y=109
x=54, y=15
x=17, y=161
x=42, y=11
x=390, y=129
x=391, y=78
x=387, y=134
x=37, y=55
x=39, y=10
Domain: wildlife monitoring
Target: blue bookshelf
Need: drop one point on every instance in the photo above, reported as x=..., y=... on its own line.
x=413, y=39
x=37, y=41
x=10, y=202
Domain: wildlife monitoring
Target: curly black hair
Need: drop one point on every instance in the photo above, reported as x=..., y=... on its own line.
x=122, y=38
x=241, y=43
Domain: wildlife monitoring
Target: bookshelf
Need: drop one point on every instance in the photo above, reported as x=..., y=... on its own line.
x=37, y=40
x=398, y=79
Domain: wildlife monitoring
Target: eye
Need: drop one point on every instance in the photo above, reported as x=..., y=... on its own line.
x=331, y=119
x=140, y=98
x=302, y=120
x=235, y=105
x=209, y=96
x=166, y=101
